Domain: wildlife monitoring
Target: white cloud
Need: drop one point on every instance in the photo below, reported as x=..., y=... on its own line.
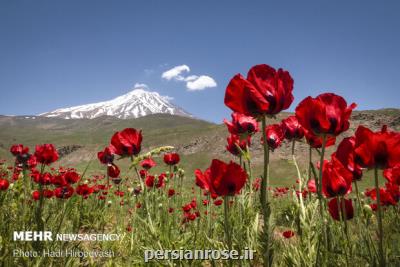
x=193, y=82
x=191, y=78
x=201, y=83
x=140, y=86
x=167, y=98
x=175, y=73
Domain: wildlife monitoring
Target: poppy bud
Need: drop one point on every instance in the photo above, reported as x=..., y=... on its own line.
x=368, y=210
x=116, y=181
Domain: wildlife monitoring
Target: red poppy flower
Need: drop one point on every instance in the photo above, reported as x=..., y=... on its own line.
x=44, y=178
x=119, y=193
x=149, y=181
x=393, y=174
x=58, y=180
x=288, y=234
x=113, y=171
x=312, y=187
x=275, y=135
x=19, y=149
x=327, y=114
x=106, y=156
x=148, y=163
x=36, y=195
x=257, y=184
x=84, y=190
x=46, y=154
x=373, y=206
x=189, y=217
x=377, y=149
x=4, y=184
x=226, y=179
x=31, y=162
x=265, y=91
x=193, y=203
x=64, y=192
x=187, y=207
x=203, y=179
x=142, y=174
x=292, y=128
x=316, y=141
x=394, y=191
x=48, y=193
x=336, y=179
x=127, y=142
x=218, y=202
x=234, y=142
x=345, y=154
x=333, y=209
x=241, y=124
x=171, y=192
x=388, y=197
x=171, y=158
x=71, y=177
x=161, y=180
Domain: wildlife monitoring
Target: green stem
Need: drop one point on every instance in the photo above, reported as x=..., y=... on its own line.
x=310, y=168
x=26, y=197
x=358, y=197
x=309, y=163
x=380, y=227
x=343, y=217
x=145, y=202
x=209, y=216
x=227, y=225
x=320, y=198
x=265, y=206
x=250, y=180
x=301, y=214
x=368, y=238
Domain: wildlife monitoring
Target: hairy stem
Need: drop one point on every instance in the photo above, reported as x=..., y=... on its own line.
x=379, y=217
x=320, y=198
x=227, y=225
x=265, y=205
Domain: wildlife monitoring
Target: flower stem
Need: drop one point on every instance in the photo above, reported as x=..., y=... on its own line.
x=319, y=191
x=309, y=163
x=227, y=225
x=380, y=228
x=301, y=213
x=358, y=197
x=208, y=215
x=343, y=217
x=26, y=197
x=364, y=221
x=265, y=205
x=250, y=181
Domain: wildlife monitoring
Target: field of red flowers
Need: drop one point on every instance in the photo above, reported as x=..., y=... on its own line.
x=323, y=220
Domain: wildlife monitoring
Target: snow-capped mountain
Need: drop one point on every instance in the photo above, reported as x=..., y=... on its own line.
x=137, y=103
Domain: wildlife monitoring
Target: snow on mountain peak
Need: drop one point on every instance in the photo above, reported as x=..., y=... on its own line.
x=136, y=103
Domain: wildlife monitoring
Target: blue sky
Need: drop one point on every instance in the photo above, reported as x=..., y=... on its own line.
x=62, y=53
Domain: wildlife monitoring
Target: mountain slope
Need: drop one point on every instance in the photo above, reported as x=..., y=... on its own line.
x=137, y=103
